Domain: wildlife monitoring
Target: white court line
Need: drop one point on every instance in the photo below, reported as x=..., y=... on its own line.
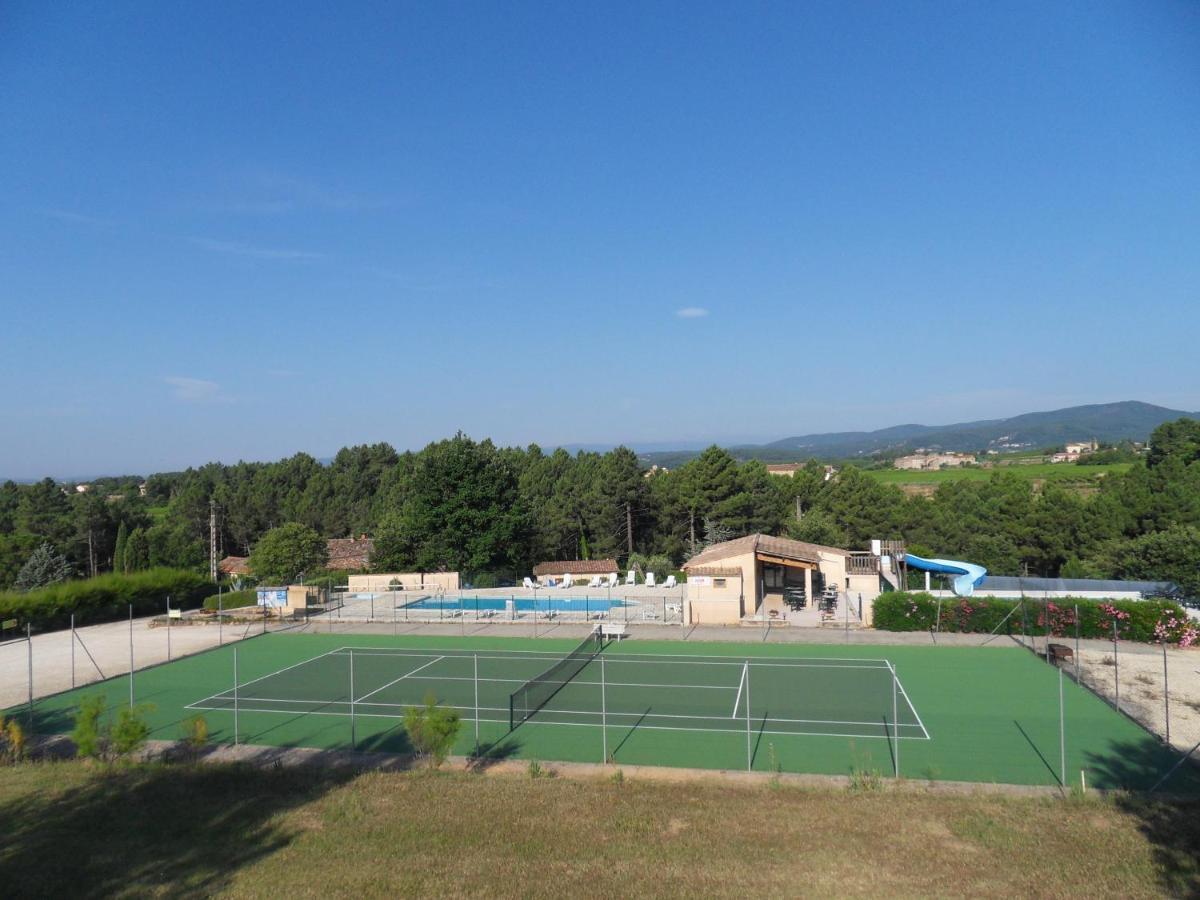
x=757, y=662
x=738, y=698
x=569, y=712
x=242, y=684
x=504, y=721
x=908, y=700
x=677, y=658
x=395, y=680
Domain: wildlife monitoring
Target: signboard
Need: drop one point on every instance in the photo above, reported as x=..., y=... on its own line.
x=8, y=623
x=175, y=613
x=273, y=597
x=700, y=580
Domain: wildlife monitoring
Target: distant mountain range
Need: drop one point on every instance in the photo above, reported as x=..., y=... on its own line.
x=1128, y=420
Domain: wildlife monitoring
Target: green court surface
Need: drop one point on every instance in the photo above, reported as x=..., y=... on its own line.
x=984, y=714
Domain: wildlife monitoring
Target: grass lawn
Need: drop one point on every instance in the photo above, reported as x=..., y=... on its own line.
x=983, y=714
x=1065, y=472
x=82, y=830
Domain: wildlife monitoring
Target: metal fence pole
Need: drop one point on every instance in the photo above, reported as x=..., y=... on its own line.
x=749, y=753
x=168, y=628
x=372, y=616
x=476, y=680
x=603, y=710
x=353, y=735
x=29, y=653
x=235, y=696
x=1116, y=669
x=1062, y=732
x=895, y=720
x=1077, y=643
x=72, y=650
x=1166, y=693
x=131, y=656
x=220, y=619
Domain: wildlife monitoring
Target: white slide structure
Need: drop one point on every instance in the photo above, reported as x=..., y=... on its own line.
x=967, y=576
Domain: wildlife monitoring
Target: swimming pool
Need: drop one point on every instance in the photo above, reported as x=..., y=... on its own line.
x=521, y=604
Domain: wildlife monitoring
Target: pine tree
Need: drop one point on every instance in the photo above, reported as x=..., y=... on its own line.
x=118, y=560
x=44, y=567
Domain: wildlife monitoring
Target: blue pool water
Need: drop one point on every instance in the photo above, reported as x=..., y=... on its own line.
x=523, y=604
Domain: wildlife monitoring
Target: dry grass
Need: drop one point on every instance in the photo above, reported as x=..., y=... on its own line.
x=154, y=830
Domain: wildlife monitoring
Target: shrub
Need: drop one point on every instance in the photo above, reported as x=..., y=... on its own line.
x=1136, y=620
x=231, y=600
x=432, y=729
x=97, y=739
x=12, y=741
x=105, y=597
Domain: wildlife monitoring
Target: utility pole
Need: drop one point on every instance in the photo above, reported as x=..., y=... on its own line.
x=212, y=539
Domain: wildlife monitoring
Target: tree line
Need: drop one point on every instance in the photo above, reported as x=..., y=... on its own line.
x=472, y=506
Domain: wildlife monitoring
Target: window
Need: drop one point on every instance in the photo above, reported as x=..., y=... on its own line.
x=718, y=582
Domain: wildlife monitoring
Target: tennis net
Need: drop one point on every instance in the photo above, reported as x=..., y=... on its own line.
x=537, y=691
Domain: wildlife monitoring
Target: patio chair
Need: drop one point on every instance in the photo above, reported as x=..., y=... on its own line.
x=595, y=582
x=670, y=582
x=631, y=577
x=527, y=582
x=567, y=581
x=650, y=580
x=613, y=579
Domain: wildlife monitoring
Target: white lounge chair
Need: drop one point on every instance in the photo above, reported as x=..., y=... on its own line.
x=650, y=579
x=631, y=577
x=613, y=579
x=595, y=582
x=528, y=583
x=670, y=582
x=567, y=581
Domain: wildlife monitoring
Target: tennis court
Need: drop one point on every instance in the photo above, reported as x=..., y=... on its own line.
x=985, y=714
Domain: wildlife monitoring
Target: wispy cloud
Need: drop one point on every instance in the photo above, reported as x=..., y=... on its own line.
x=691, y=312
x=76, y=218
x=195, y=390
x=265, y=192
x=237, y=248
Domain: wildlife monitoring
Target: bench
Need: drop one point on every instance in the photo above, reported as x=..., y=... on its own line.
x=614, y=630
x=1060, y=653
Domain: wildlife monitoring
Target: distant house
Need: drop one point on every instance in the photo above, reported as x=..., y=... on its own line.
x=788, y=470
x=933, y=460
x=345, y=554
x=352, y=554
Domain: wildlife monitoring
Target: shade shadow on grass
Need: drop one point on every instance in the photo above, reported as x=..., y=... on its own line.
x=1170, y=823
x=144, y=829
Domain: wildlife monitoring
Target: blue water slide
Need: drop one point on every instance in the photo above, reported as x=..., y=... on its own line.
x=967, y=576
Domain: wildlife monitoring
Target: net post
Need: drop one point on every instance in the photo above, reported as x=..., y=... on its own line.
x=235, y=696
x=475, y=679
x=353, y=723
x=72, y=650
x=603, y=713
x=1062, y=733
x=746, y=682
x=131, y=656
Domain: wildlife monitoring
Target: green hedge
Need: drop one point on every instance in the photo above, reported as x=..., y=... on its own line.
x=1137, y=620
x=232, y=599
x=105, y=597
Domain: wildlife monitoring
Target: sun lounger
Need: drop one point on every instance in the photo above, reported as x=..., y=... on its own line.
x=670, y=582
x=595, y=582
x=567, y=581
x=613, y=579
x=528, y=583
x=650, y=580
x=631, y=577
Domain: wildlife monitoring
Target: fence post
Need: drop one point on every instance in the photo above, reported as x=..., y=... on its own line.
x=1062, y=732
x=235, y=696
x=749, y=753
x=603, y=711
x=353, y=736
x=1166, y=692
x=131, y=656
x=895, y=719
x=1116, y=669
x=29, y=652
x=1077, y=643
x=220, y=619
x=476, y=681
x=72, y=650
x=168, y=627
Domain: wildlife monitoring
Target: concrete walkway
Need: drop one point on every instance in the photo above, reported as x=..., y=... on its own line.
x=108, y=646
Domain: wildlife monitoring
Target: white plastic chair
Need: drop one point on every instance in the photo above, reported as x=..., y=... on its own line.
x=595, y=582
x=613, y=579
x=631, y=577
x=670, y=582
x=567, y=581
x=528, y=583
x=650, y=580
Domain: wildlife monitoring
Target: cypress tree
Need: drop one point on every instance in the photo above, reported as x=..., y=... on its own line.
x=118, y=560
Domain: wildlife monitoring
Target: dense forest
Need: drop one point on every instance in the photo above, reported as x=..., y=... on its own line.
x=475, y=507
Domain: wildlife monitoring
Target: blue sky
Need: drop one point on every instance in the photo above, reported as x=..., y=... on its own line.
x=234, y=230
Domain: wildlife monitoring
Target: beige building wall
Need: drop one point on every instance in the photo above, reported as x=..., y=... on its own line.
x=410, y=581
